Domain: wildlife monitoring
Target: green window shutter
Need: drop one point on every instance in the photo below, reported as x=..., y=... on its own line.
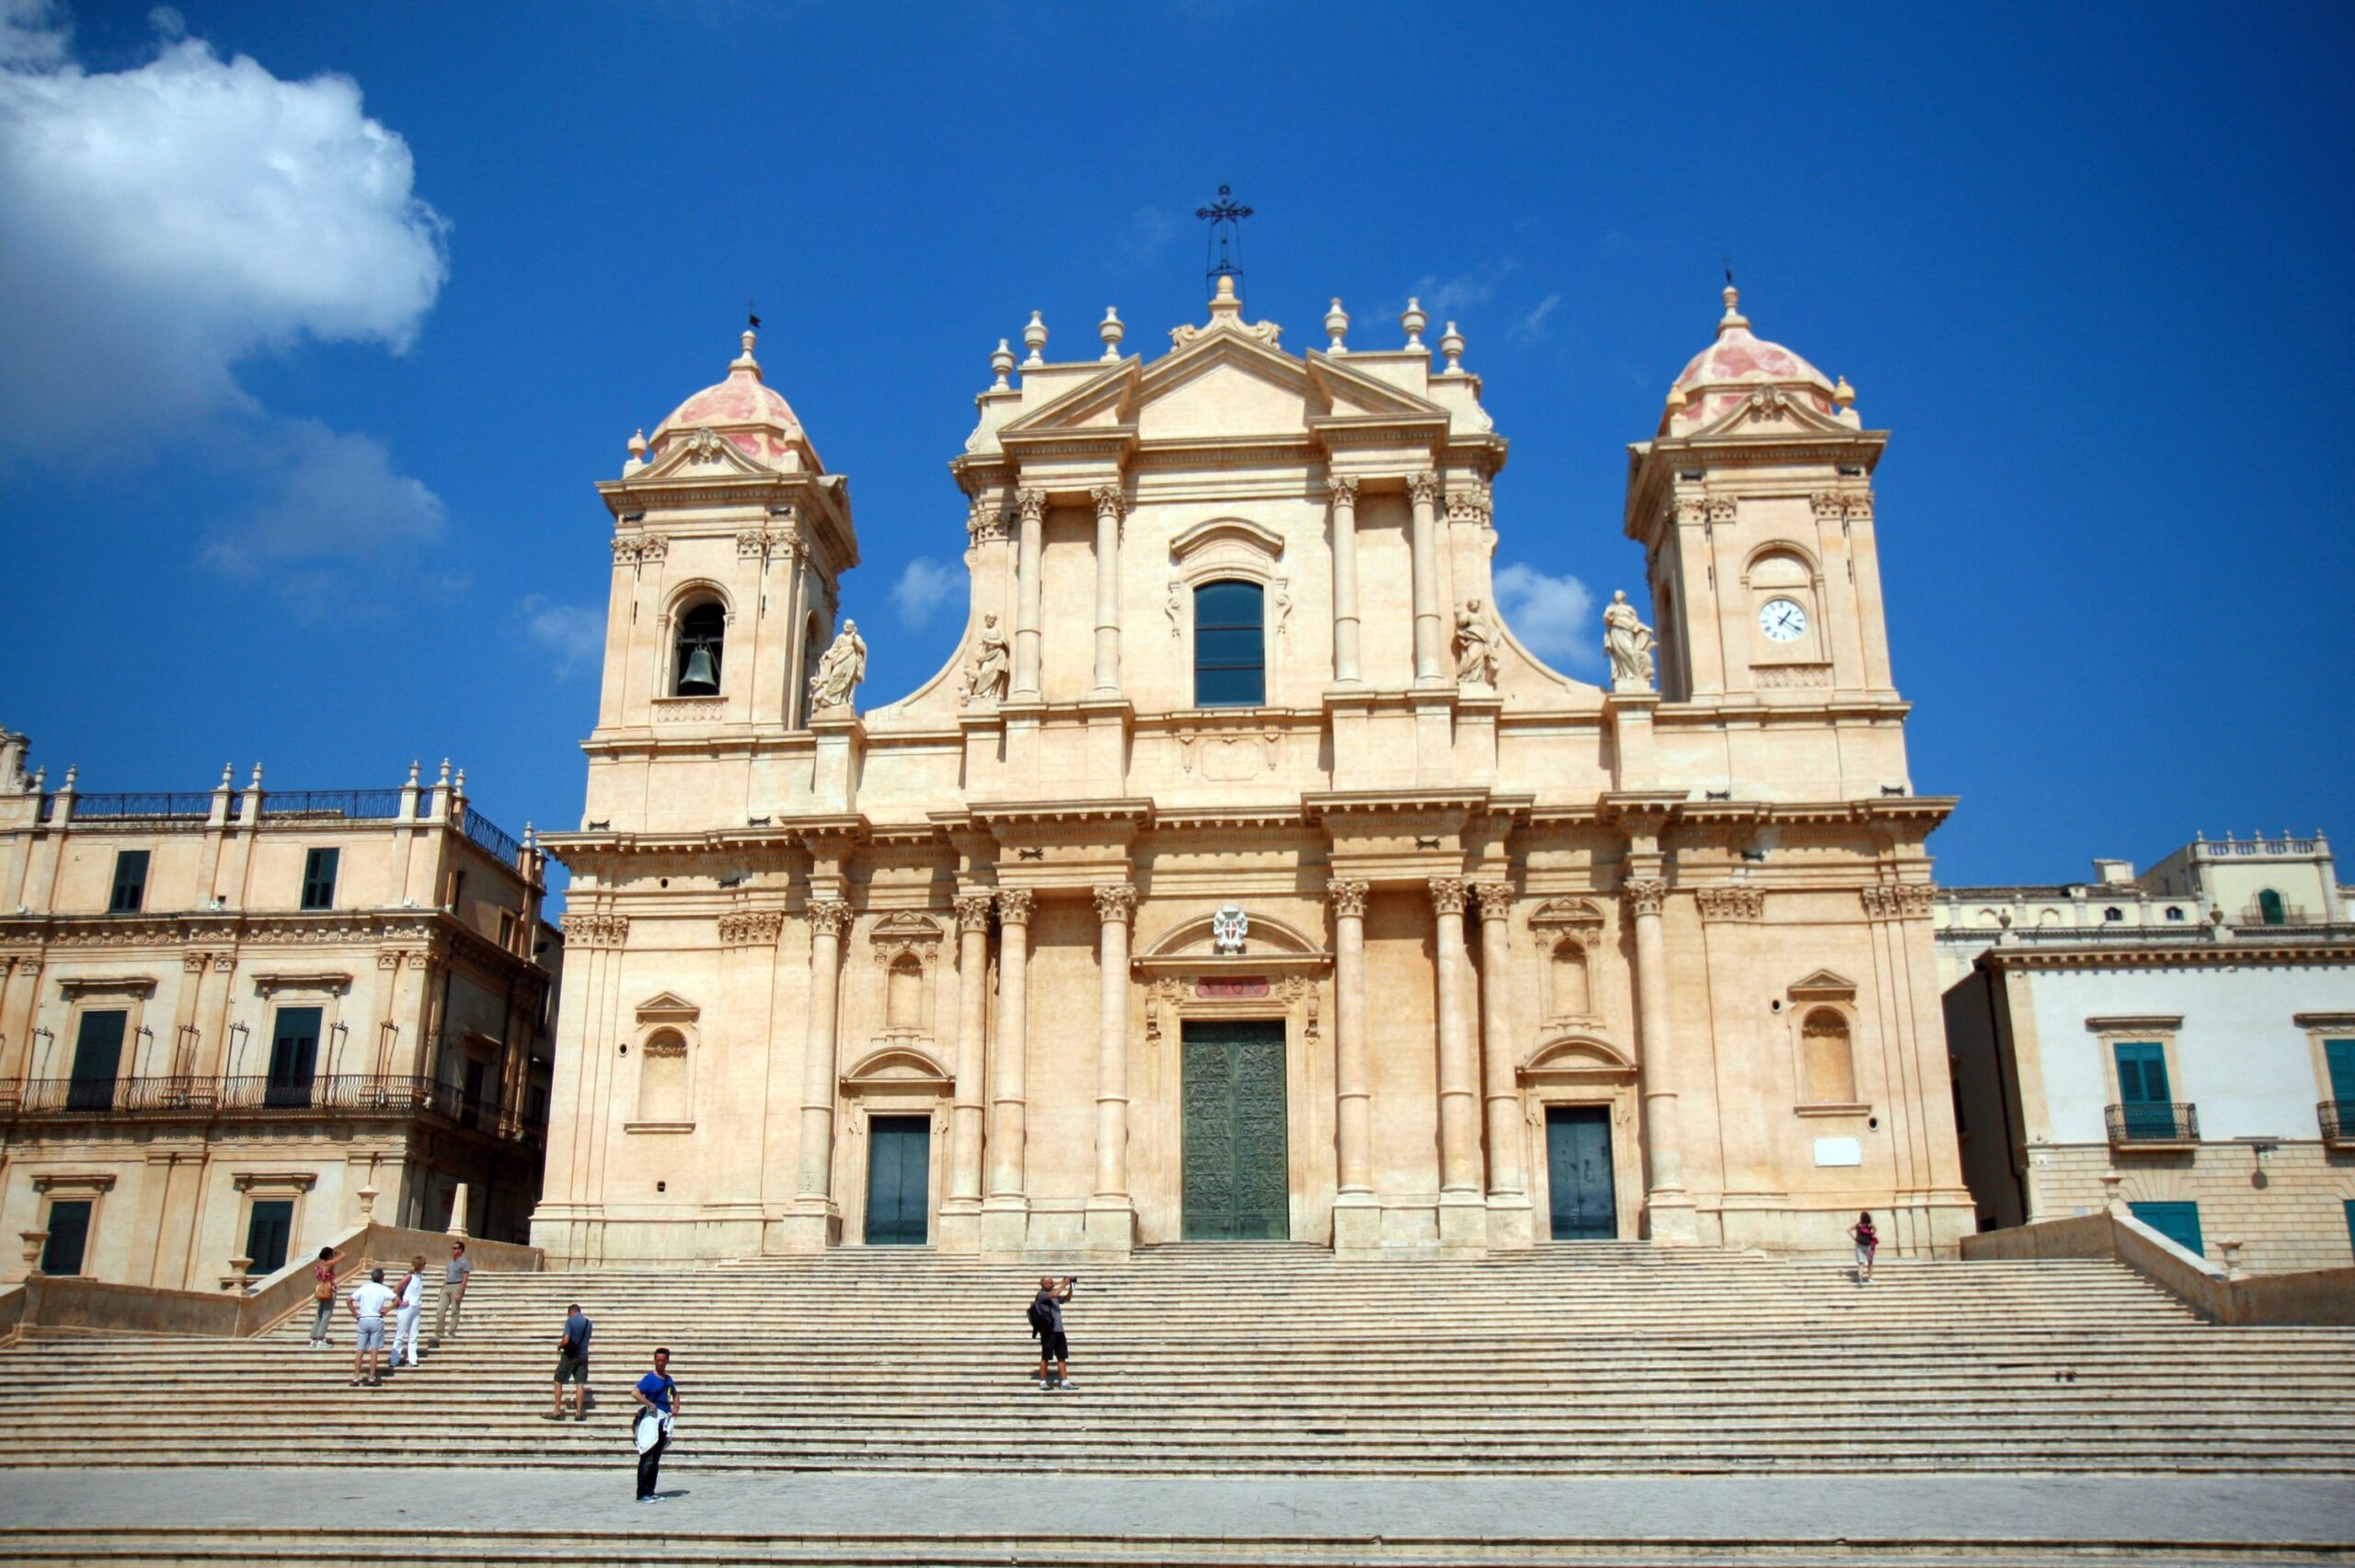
x=2339, y=1056
x=130, y=893
x=318, y=878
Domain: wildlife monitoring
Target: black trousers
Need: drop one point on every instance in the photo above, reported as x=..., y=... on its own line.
x=650, y=1465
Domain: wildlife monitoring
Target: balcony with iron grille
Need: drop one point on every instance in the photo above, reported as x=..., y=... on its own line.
x=337, y=1096
x=2153, y=1126
x=2337, y=1118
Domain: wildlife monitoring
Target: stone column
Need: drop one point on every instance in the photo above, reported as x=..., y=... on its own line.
x=814, y=1186
x=1672, y=1211
x=1032, y=505
x=1357, y=1215
x=1345, y=579
x=1462, y=1205
x=1429, y=650
x=1107, y=588
x=961, y=1205
x=1499, y=1091
x=1112, y=1215
x=1005, y=1222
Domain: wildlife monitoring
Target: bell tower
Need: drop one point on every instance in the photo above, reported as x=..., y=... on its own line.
x=1754, y=503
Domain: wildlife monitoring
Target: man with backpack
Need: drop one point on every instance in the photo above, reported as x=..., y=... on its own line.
x=1047, y=1322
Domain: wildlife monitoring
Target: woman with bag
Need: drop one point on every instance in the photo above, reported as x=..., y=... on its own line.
x=1868, y=1242
x=323, y=1294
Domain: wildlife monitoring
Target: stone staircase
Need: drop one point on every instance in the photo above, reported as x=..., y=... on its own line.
x=1257, y=1360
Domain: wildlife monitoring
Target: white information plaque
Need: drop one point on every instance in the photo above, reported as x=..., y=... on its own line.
x=1839, y=1152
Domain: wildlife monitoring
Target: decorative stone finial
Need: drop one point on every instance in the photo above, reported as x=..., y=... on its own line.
x=1451, y=343
x=228, y=768
x=412, y=773
x=530, y=838
x=1843, y=394
x=1034, y=337
x=1225, y=306
x=1336, y=326
x=1733, y=317
x=1414, y=320
x=1111, y=331
x=460, y=785
x=1001, y=362
x=745, y=362
x=74, y=768
x=254, y=782
x=444, y=782
x=1676, y=400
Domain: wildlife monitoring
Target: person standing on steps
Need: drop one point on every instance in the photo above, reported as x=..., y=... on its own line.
x=411, y=1299
x=1867, y=1241
x=658, y=1402
x=1047, y=1322
x=572, y=1363
x=323, y=1293
x=368, y=1304
x=455, y=1276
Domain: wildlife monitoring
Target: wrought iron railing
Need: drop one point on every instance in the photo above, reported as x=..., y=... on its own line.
x=348, y=804
x=343, y=1093
x=142, y=807
x=2154, y=1123
x=2337, y=1118
x=492, y=837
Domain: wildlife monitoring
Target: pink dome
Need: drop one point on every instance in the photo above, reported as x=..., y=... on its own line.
x=745, y=411
x=1738, y=360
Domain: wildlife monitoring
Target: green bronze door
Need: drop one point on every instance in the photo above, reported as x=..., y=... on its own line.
x=1238, y=1185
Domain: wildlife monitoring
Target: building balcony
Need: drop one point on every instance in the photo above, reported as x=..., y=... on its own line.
x=341, y=1097
x=2337, y=1118
x=2153, y=1126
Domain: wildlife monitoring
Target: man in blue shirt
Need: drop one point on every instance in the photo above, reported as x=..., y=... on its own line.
x=658, y=1399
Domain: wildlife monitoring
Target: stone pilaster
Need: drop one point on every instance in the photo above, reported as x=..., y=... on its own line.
x=1670, y=1209
x=1509, y=1222
x=1031, y=504
x=1005, y=1213
x=959, y=1227
x=1345, y=581
x=1111, y=1213
x=1108, y=508
x=1422, y=492
x=1357, y=1215
x=1462, y=1208
x=815, y=1222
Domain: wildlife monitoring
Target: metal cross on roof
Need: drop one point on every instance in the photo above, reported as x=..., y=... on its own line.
x=1223, y=255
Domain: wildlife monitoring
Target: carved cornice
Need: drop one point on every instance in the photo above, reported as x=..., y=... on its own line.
x=1448, y=894
x=590, y=931
x=1349, y=895
x=749, y=928
x=1903, y=900
x=1116, y=901
x=1014, y=906
x=1732, y=903
x=1646, y=895
x=828, y=917
x=1496, y=899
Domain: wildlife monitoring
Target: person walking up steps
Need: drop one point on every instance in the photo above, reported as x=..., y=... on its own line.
x=658, y=1402
x=454, y=1294
x=1868, y=1242
x=323, y=1293
x=572, y=1363
x=405, y=1314
x=1047, y=1322
x=368, y=1304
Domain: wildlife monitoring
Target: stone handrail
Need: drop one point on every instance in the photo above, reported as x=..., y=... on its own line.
x=2313, y=1296
x=42, y=1302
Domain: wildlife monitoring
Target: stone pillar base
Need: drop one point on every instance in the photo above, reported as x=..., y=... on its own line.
x=1111, y=1226
x=958, y=1231
x=1512, y=1224
x=811, y=1230
x=1357, y=1226
x=1005, y=1227
x=1674, y=1221
x=1463, y=1222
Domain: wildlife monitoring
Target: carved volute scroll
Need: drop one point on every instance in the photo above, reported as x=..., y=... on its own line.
x=1014, y=906
x=1422, y=487
x=1448, y=895
x=829, y=917
x=973, y=911
x=1116, y=902
x=1646, y=895
x=1349, y=895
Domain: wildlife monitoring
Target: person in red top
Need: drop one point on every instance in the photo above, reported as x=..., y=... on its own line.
x=323, y=1294
x=1867, y=1241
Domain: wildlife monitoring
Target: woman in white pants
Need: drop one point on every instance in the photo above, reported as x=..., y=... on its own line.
x=412, y=1308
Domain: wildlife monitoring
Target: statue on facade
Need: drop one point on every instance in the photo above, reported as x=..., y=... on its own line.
x=1475, y=645
x=986, y=677
x=839, y=672
x=1629, y=643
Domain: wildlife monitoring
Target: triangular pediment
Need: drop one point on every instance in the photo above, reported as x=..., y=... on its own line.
x=668, y=1005
x=1824, y=983
x=702, y=453
x=1773, y=411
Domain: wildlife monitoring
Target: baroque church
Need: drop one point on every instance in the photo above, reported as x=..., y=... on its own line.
x=1241, y=874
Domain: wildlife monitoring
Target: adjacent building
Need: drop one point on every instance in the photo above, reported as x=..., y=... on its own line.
x=1241, y=874
x=234, y=1021
x=2182, y=1042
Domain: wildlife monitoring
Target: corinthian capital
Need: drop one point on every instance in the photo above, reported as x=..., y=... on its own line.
x=1108, y=501
x=1344, y=487
x=1496, y=899
x=1014, y=906
x=829, y=917
x=1646, y=895
x=1347, y=893
x=1031, y=504
x=1448, y=895
x=1116, y=901
x=973, y=911
x=1423, y=488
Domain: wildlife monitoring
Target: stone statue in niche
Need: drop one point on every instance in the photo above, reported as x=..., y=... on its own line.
x=1629, y=643
x=985, y=677
x=1475, y=645
x=839, y=672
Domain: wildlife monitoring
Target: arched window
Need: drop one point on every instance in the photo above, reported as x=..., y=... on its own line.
x=2113, y=913
x=2175, y=912
x=1829, y=1064
x=1568, y=995
x=703, y=636
x=1229, y=650
x=813, y=648
x=903, y=995
x=2269, y=907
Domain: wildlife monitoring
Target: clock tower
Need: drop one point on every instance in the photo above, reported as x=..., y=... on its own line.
x=1754, y=503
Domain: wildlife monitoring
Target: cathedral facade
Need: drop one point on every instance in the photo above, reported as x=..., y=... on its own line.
x=1241, y=874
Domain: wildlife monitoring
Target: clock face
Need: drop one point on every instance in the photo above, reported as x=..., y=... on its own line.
x=1782, y=620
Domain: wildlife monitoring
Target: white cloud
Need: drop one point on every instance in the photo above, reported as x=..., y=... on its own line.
x=925, y=584
x=1530, y=327
x=573, y=634
x=1148, y=231
x=1464, y=290
x=326, y=496
x=1553, y=616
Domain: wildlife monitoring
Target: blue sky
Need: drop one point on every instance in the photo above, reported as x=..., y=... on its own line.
x=322, y=320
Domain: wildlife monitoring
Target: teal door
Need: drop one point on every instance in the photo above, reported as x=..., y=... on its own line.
x=2340, y=1056
x=898, y=1180
x=98, y=1057
x=2178, y=1222
x=1237, y=1178
x=2143, y=1090
x=1578, y=1172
